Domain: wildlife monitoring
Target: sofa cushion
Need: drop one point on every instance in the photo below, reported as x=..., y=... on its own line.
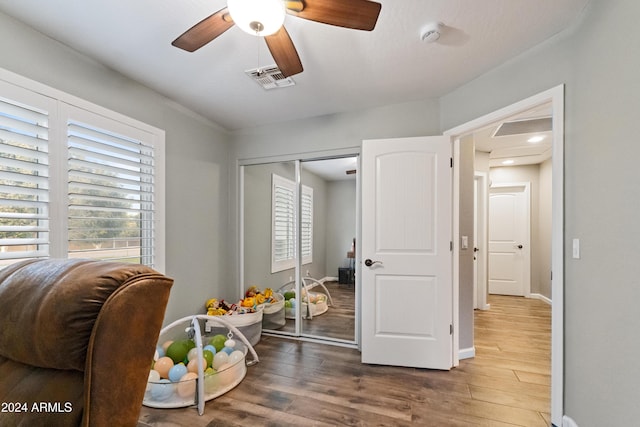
x=39, y=297
x=39, y=397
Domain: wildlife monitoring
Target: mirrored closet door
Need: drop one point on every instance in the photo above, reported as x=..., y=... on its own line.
x=299, y=239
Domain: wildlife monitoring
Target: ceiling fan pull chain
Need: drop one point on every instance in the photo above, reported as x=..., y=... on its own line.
x=258, y=68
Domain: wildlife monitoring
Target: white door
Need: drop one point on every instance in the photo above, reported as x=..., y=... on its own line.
x=406, y=236
x=509, y=240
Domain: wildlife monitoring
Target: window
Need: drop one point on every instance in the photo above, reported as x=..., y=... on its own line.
x=77, y=183
x=283, y=235
x=24, y=180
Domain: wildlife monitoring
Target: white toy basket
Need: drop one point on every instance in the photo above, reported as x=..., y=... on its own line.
x=207, y=385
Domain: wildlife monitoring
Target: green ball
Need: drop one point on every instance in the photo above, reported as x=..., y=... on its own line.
x=208, y=356
x=177, y=351
x=289, y=294
x=218, y=342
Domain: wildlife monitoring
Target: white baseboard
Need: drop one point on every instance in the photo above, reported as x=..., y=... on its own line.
x=568, y=422
x=541, y=297
x=466, y=353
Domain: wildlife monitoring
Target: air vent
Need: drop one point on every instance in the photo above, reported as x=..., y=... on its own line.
x=519, y=127
x=270, y=77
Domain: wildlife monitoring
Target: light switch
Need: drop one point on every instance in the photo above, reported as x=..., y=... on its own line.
x=464, y=243
x=576, y=248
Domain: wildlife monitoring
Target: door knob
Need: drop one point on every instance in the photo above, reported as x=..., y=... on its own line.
x=369, y=263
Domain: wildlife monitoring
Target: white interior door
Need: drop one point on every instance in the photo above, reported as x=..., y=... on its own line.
x=406, y=276
x=509, y=248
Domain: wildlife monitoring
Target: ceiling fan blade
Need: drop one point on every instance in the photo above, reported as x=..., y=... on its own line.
x=284, y=52
x=204, y=31
x=355, y=14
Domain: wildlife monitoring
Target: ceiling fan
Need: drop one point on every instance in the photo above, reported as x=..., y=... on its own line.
x=265, y=18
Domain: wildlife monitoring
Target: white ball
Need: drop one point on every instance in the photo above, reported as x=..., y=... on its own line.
x=219, y=359
x=235, y=357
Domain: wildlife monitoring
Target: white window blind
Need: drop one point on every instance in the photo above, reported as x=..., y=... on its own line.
x=24, y=182
x=306, y=230
x=110, y=195
x=77, y=180
x=284, y=223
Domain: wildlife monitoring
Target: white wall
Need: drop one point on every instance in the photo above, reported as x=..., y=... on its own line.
x=197, y=186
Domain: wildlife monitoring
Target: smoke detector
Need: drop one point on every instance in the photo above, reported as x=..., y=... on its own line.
x=431, y=32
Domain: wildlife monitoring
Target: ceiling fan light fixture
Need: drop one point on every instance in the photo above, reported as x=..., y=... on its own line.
x=257, y=17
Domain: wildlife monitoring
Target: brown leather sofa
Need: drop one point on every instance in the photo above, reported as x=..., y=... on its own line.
x=77, y=339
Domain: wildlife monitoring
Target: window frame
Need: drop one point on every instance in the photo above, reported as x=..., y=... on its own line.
x=62, y=106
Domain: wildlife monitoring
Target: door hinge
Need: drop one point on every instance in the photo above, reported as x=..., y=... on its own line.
x=451, y=161
x=450, y=329
x=451, y=245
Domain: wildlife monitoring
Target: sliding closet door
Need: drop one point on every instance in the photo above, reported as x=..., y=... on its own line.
x=298, y=238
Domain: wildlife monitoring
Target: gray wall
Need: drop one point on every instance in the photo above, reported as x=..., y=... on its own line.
x=466, y=220
x=599, y=64
x=257, y=224
x=540, y=219
x=544, y=230
x=597, y=60
x=341, y=224
x=197, y=185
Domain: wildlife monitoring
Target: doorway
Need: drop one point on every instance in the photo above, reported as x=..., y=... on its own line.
x=509, y=223
x=555, y=98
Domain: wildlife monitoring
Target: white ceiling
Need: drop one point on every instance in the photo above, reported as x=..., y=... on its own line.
x=343, y=69
x=516, y=148
x=333, y=169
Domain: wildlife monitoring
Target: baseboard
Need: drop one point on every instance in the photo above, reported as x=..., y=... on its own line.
x=467, y=353
x=541, y=298
x=328, y=279
x=568, y=422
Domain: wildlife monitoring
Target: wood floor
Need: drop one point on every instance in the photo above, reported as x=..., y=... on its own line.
x=309, y=384
x=338, y=322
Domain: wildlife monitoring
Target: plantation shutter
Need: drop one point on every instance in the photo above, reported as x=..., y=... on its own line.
x=24, y=181
x=283, y=223
x=111, y=185
x=307, y=224
x=283, y=245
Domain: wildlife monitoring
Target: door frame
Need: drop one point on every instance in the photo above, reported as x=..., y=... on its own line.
x=526, y=274
x=554, y=95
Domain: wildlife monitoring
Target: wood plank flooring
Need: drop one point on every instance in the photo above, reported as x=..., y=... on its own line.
x=309, y=384
x=337, y=322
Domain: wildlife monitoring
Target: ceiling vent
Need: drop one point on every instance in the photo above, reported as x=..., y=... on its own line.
x=270, y=77
x=520, y=127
